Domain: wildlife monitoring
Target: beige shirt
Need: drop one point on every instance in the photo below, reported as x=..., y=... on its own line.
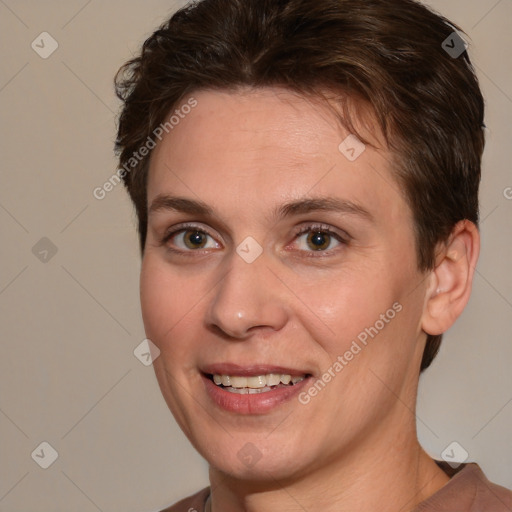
x=467, y=491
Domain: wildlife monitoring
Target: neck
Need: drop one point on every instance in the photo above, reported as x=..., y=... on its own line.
x=388, y=473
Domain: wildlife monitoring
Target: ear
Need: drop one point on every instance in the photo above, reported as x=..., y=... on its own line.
x=451, y=279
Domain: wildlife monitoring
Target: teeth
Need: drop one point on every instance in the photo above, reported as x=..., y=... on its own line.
x=273, y=379
x=285, y=379
x=257, y=382
x=237, y=382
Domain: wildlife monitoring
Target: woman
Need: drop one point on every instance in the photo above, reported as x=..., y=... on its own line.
x=305, y=174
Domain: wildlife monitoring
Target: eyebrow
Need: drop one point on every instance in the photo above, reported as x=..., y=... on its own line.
x=301, y=206
x=328, y=204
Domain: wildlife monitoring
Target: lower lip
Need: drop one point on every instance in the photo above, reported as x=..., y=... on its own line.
x=256, y=403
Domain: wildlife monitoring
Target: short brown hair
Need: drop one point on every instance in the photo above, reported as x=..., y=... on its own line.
x=390, y=53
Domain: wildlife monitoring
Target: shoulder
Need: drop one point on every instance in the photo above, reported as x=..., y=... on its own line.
x=468, y=490
x=194, y=503
x=488, y=495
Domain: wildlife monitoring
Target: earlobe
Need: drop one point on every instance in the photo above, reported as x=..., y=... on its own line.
x=451, y=279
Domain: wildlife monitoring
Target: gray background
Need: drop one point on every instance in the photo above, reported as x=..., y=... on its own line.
x=71, y=320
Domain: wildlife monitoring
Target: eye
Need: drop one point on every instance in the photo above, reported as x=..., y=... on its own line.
x=313, y=238
x=189, y=238
x=319, y=238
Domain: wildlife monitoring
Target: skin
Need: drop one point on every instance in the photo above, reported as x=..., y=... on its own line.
x=354, y=445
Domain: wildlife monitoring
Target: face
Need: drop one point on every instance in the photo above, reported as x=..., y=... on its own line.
x=280, y=283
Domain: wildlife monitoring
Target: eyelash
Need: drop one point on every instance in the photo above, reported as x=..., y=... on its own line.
x=323, y=228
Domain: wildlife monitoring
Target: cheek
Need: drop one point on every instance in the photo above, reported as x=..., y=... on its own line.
x=343, y=304
x=154, y=298
x=368, y=317
x=167, y=303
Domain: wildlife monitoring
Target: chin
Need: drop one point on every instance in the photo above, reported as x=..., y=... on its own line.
x=256, y=460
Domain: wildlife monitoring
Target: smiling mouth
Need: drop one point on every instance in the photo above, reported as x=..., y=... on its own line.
x=255, y=384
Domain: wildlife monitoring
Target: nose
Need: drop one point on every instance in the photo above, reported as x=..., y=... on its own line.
x=247, y=300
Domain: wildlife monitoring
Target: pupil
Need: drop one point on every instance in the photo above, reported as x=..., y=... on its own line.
x=319, y=239
x=195, y=239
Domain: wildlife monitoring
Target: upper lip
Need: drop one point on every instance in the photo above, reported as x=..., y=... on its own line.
x=250, y=370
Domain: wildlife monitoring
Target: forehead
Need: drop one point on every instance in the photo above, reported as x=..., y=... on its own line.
x=262, y=147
